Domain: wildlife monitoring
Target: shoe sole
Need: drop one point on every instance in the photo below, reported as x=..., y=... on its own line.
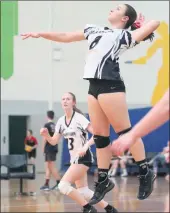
x=154, y=178
x=93, y=202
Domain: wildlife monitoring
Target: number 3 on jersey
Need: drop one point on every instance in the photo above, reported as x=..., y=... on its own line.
x=70, y=143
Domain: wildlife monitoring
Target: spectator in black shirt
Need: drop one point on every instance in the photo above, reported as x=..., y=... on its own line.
x=50, y=153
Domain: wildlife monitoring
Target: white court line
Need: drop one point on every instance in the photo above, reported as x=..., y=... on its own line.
x=16, y=206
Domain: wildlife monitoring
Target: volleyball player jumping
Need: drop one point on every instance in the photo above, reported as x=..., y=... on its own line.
x=106, y=95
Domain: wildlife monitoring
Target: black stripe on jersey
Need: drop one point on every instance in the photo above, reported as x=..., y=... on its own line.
x=86, y=31
x=109, y=65
x=108, y=62
x=124, y=42
x=96, y=73
x=110, y=68
x=116, y=51
x=83, y=136
x=129, y=38
x=126, y=38
x=99, y=66
x=70, y=119
x=60, y=130
x=127, y=41
x=106, y=28
x=83, y=140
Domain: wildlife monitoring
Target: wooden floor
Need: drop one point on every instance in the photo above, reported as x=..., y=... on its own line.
x=123, y=197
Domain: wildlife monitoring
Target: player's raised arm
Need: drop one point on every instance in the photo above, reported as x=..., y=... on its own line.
x=65, y=37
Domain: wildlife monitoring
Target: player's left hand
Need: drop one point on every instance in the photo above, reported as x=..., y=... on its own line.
x=44, y=132
x=140, y=20
x=122, y=144
x=81, y=152
x=29, y=35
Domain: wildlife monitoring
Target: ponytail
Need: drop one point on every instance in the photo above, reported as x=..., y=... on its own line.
x=136, y=25
x=132, y=23
x=74, y=107
x=78, y=110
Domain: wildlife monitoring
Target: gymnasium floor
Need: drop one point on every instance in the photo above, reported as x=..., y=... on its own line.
x=123, y=197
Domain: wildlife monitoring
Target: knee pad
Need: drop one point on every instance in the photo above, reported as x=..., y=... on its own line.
x=124, y=131
x=65, y=187
x=86, y=192
x=101, y=141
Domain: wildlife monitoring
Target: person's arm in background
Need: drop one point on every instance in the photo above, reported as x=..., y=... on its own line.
x=35, y=142
x=43, y=144
x=43, y=139
x=157, y=116
x=52, y=140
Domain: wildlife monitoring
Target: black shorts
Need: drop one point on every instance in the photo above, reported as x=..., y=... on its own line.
x=86, y=160
x=101, y=86
x=32, y=154
x=50, y=156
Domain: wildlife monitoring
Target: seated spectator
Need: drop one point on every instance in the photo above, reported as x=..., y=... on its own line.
x=160, y=159
x=115, y=164
x=167, y=158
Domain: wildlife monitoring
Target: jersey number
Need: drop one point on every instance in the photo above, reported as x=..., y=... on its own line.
x=70, y=145
x=95, y=42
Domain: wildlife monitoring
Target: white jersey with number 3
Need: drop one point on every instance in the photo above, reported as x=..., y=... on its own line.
x=75, y=132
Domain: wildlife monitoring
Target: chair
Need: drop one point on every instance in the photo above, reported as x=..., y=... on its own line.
x=17, y=161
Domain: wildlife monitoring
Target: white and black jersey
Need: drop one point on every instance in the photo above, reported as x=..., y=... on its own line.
x=76, y=134
x=105, y=47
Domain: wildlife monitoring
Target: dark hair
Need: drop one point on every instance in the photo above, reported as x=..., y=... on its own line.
x=30, y=131
x=50, y=114
x=132, y=14
x=75, y=108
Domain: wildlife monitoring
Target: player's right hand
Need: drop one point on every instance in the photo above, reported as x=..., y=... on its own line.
x=122, y=144
x=44, y=132
x=29, y=35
